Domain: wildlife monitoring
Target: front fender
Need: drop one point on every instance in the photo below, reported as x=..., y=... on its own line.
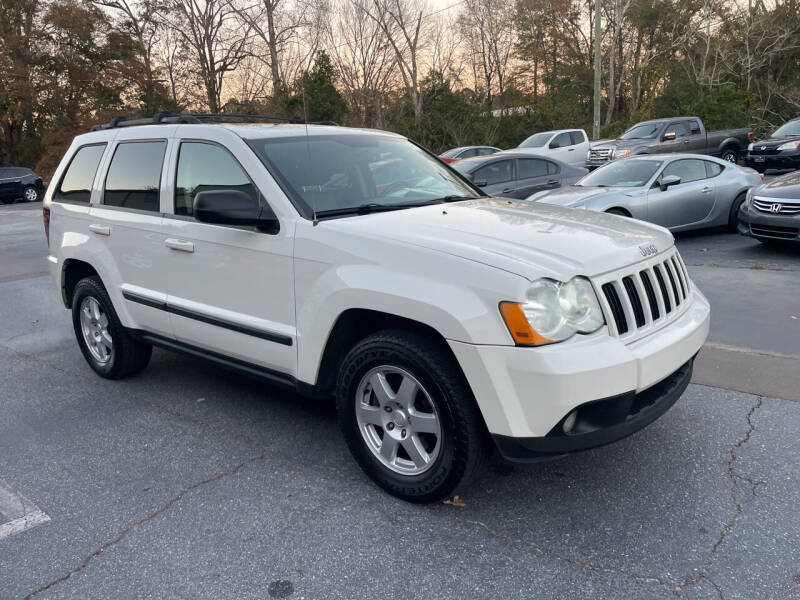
x=463, y=309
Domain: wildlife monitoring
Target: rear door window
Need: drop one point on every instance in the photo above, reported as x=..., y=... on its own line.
x=134, y=177
x=76, y=185
x=577, y=137
x=531, y=167
x=497, y=172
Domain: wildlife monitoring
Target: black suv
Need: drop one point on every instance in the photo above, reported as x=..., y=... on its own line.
x=19, y=182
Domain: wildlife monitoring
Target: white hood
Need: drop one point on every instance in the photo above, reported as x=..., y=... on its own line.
x=528, y=239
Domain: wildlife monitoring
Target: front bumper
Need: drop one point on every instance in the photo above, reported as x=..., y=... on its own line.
x=784, y=160
x=601, y=422
x=766, y=226
x=527, y=392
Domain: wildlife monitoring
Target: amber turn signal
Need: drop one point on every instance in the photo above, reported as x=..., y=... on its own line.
x=519, y=327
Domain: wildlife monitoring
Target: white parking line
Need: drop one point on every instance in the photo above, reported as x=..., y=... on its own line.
x=17, y=513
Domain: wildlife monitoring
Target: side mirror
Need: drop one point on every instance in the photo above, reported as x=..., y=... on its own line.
x=670, y=135
x=553, y=145
x=668, y=181
x=482, y=183
x=232, y=207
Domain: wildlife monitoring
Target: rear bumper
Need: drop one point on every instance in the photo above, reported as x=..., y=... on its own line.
x=600, y=422
x=766, y=226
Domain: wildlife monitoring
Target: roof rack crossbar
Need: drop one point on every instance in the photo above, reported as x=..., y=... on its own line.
x=167, y=118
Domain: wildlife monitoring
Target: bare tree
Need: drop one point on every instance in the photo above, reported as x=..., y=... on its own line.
x=217, y=40
x=403, y=23
x=487, y=27
x=363, y=59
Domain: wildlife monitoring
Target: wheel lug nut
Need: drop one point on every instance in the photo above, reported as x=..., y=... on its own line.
x=387, y=408
x=390, y=426
x=403, y=433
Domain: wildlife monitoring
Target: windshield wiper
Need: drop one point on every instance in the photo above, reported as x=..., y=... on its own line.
x=454, y=198
x=369, y=207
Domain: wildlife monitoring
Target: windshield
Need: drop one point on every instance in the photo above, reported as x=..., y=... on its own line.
x=537, y=140
x=644, y=131
x=625, y=173
x=787, y=129
x=347, y=171
x=451, y=153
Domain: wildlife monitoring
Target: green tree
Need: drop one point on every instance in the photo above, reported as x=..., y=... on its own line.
x=323, y=102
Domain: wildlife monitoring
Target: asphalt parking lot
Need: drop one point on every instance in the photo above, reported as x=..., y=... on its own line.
x=190, y=482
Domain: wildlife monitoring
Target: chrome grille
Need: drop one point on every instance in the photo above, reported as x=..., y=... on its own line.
x=599, y=154
x=646, y=295
x=786, y=207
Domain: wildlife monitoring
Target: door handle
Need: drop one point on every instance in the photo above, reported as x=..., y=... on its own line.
x=706, y=190
x=553, y=182
x=181, y=245
x=100, y=229
x=570, y=149
x=685, y=141
x=507, y=190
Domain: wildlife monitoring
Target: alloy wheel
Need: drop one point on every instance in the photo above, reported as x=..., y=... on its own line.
x=398, y=420
x=94, y=326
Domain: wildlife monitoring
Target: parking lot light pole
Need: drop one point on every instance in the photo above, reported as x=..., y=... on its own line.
x=597, y=68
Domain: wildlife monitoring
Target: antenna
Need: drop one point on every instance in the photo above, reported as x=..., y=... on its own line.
x=308, y=143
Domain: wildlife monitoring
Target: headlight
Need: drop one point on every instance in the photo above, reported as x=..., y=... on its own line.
x=750, y=147
x=789, y=145
x=553, y=311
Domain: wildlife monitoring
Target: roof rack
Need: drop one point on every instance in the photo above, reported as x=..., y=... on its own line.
x=166, y=118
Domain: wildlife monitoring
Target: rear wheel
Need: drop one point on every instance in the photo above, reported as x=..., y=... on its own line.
x=108, y=348
x=30, y=194
x=733, y=218
x=409, y=417
x=729, y=155
x=8, y=200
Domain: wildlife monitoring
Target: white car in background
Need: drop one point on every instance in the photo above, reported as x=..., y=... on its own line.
x=567, y=145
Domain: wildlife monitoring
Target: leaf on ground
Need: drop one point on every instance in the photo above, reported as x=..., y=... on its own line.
x=295, y=472
x=455, y=501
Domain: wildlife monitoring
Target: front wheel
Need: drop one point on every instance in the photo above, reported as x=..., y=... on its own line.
x=409, y=417
x=108, y=348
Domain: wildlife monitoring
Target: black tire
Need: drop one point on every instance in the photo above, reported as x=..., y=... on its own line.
x=733, y=218
x=29, y=189
x=129, y=354
x=8, y=201
x=617, y=211
x=730, y=155
x=464, y=439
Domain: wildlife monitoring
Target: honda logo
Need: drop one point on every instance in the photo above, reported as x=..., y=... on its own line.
x=763, y=147
x=776, y=208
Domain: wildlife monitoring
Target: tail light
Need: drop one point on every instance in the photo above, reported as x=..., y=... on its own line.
x=46, y=221
x=750, y=136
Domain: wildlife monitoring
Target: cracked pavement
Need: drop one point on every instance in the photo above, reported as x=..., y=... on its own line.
x=191, y=482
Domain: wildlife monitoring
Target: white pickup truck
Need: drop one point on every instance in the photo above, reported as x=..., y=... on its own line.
x=443, y=322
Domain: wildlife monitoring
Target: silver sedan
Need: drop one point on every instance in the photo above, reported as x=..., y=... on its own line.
x=677, y=191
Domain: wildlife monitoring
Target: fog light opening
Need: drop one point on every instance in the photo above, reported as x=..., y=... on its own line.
x=569, y=422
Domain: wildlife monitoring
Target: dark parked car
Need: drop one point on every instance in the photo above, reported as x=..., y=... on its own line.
x=771, y=212
x=781, y=150
x=454, y=154
x=517, y=175
x=20, y=183
x=676, y=134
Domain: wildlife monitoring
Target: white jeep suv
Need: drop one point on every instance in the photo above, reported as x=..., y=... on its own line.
x=352, y=263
